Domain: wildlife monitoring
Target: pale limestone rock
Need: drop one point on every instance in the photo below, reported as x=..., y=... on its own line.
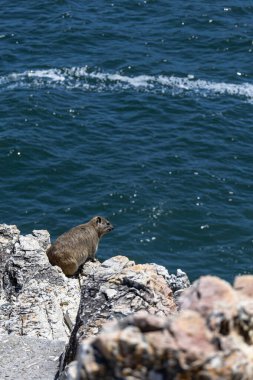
x=35, y=296
x=9, y=235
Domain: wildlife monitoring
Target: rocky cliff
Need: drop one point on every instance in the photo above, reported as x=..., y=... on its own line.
x=41, y=308
x=210, y=338
x=35, y=300
x=118, y=288
x=35, y=297
x=117, y=319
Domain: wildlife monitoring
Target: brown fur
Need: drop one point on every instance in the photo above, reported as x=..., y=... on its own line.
x=77, y=245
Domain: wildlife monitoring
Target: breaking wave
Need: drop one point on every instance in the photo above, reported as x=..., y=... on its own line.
x=95, y=81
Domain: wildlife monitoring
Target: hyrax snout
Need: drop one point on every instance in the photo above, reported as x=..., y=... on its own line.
x=74, y=247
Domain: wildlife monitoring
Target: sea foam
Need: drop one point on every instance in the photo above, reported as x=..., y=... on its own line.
x=96, y=81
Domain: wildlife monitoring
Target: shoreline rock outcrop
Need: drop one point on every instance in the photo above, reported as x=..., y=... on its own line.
x=116, y=289
x=210, y=338
x=34, y=299
x=34, y=296
x=38, y=303
x=117, y=319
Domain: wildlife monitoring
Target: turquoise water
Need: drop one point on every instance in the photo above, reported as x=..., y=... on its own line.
x=139, y=111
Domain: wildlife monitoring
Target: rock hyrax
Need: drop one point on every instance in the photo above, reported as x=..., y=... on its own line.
x=77, y=245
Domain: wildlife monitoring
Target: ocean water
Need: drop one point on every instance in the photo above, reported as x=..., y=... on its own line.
x=140, y=111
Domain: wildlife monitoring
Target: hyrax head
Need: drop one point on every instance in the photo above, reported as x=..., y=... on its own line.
x=102, y=225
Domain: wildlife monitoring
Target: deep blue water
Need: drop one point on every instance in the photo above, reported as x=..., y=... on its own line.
x=137, y=110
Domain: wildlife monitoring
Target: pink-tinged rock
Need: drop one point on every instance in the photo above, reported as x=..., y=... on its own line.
x=214, y=299
x=193, y=338
x=244, y=286
x=244, y=322
x=211, y=339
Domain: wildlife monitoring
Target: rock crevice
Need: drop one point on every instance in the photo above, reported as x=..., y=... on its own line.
x=118, y=288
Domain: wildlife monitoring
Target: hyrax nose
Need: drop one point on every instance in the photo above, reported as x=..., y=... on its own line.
x=110, y=225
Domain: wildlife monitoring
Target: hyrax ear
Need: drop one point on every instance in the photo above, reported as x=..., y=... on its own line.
x=98, y=220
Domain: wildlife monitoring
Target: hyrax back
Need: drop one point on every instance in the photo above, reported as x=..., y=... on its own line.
x=75, y=246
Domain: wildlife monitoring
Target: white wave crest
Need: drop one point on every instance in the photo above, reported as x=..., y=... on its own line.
x=96, y=81
x=54, y=75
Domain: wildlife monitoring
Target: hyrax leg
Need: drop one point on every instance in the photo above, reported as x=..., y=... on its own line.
x=69, y=268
